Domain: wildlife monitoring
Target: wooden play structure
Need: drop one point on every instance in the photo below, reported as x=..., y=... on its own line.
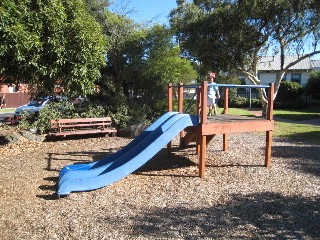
x=221, y=124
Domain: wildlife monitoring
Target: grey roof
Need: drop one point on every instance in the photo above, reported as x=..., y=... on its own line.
x=315, y=64
x=272, y=63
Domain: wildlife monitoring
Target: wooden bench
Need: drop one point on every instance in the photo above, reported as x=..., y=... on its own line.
x=82, y=126
x=9, y=121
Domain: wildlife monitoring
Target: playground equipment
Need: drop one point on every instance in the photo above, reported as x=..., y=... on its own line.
x=130, y=158
x=223, y=123
x=200, y=128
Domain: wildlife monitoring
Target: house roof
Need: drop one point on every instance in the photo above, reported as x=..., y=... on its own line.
x=272, y=63
x=315, y=64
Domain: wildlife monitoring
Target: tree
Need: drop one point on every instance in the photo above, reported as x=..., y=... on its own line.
x=143, y=60
x=45, y=41
x=164, y=63
x=97, y=8
x=140, y=63
x=233, y=35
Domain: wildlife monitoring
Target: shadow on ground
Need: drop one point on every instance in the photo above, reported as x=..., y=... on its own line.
x=262, y=215
x=163, y=162
x=76, y=157
x=303, y=158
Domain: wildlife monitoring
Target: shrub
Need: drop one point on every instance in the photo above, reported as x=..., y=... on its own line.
x=238, y=101
x=256, y=103
x=289, y=93
x=313, y=85
x=40, y=121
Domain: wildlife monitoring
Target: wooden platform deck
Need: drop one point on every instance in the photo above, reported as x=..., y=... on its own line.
x=224, y=124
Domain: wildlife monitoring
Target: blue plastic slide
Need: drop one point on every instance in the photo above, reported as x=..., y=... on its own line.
x=127, y=160
x=116, y=155
x=74, y=170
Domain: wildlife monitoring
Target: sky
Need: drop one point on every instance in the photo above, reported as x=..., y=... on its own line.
x=143, y=11
x=153, y=11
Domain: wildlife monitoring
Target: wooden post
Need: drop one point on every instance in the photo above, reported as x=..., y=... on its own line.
x=202, y=138
x=169, y=145
x=180, y=98
x=226, y=101
x=198, y=113
x=204, y=90
x=198, y=101
x=170, y=97
x=269, y=133
x=203, y=155
x=225, y=111
x=270, y=102
x=180, y=109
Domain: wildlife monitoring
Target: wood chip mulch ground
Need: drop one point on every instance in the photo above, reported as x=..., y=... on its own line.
x=165, y=199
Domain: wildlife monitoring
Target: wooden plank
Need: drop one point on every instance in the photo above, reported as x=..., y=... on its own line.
x=70, y=125
x=83, y=132
x=81, y=120
x=237, y=127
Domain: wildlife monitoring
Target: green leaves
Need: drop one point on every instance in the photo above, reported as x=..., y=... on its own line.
x=228, y=35
x=45, y=41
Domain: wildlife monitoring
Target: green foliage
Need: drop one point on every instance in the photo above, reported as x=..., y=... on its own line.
x=313, y=85
x=45, y=41
x=164, y=63
x=230, y=34
x=127, y=114
x=289, y=93
x=233, y=35
x=63, y=109
x=97, y=8
x=256, y=103
x=238, y=101
x=141, y=62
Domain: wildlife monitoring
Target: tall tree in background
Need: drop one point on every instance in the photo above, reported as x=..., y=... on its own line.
x=45, y=41
x=164, y=63
x=233, y=35
x=141, y=60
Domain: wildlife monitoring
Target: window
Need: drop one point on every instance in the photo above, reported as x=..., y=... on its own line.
x=296, y=77
x=283, y=78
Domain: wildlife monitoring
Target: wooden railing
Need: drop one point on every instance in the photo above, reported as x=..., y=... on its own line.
x=202, y=97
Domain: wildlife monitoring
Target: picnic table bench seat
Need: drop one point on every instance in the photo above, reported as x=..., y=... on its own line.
x=82, y=126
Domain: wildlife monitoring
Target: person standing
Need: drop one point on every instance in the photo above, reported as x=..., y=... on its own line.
x=213, y=95
x=3, y=101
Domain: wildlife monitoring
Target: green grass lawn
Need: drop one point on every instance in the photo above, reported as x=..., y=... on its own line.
x=298, y=115
x=6, y=110
x=294, y=129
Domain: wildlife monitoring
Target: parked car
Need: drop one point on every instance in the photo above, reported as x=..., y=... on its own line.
x=33, y=106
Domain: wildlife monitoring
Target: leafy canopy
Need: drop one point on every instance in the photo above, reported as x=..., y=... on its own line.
x=232, y=35
x=45, y=41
